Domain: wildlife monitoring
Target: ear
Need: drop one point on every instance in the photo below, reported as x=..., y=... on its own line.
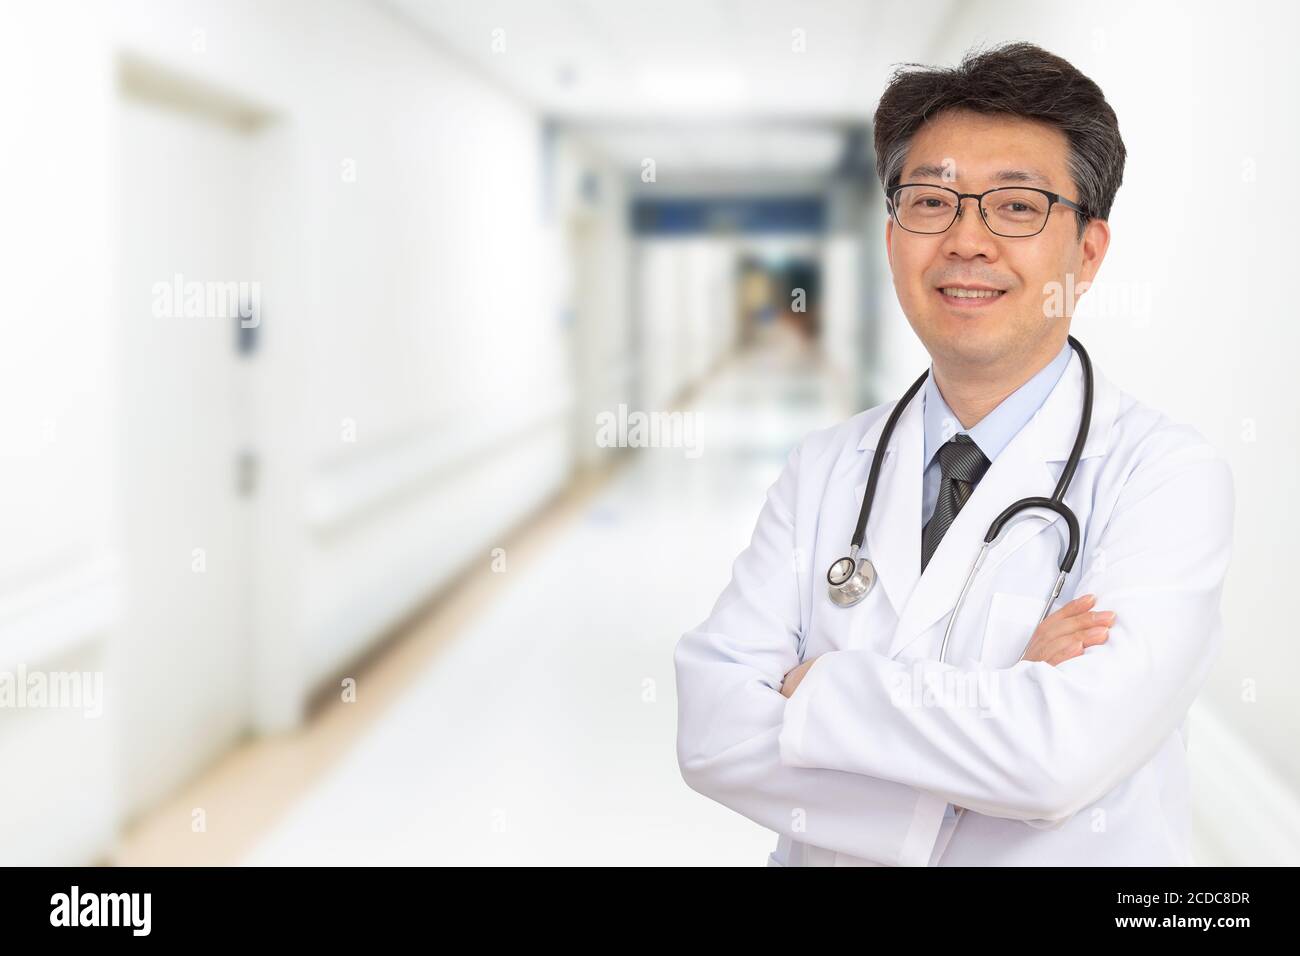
x=1092, y=249
x=889, y=241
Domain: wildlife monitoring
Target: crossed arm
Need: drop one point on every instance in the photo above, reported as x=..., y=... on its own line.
x=1043, y=742
x=730, y=711
x=848, y=746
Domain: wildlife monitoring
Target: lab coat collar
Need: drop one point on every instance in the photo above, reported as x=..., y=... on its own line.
x=893, y=539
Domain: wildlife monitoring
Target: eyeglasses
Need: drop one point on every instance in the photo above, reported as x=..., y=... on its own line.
x=1014, y=212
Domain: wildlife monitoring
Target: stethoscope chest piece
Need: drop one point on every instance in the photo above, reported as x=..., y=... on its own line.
x=850, y=580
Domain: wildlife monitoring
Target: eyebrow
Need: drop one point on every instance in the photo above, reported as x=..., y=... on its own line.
x=931, y=171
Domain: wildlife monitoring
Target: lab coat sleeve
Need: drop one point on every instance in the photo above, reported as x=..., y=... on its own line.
x=729, y=673
x=1036, y=742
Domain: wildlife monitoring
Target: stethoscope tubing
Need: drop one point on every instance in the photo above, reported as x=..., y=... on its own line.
x=851, y=584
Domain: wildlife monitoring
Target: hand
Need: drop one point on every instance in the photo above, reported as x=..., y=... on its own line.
x=1064, y=633
x=793, y=678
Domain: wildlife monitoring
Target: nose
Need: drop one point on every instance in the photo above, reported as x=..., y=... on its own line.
x=969, y=236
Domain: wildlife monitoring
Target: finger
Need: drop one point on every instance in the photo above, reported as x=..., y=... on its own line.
x=1067, y=623
x=1089, y=638
x=1077, y=606
x=1045, y=649
x=1056, y=656
x=1061, y=625
x=1089, y=621
x=1076, y=641
x=1083, y=622
x=1058, y=622
x=1068, y=652
x=1095, y=635
x=1059, y=651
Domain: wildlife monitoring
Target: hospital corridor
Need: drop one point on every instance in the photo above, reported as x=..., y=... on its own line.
x=562, y=747
x=390, y=385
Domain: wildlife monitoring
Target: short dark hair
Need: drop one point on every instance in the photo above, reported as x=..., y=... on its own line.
x=1019, y=79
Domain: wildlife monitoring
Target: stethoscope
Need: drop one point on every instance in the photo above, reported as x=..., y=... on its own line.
x=852, y=577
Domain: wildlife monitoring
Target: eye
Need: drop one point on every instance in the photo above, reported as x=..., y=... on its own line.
x=930, y=201
x=1018, y=207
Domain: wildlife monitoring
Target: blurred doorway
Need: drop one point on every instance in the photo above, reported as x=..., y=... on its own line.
x=190, y=320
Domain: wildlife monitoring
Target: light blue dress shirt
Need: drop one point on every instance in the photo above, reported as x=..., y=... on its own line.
x=991, y=433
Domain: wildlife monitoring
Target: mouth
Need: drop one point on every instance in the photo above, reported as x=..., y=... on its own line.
x=969, y=297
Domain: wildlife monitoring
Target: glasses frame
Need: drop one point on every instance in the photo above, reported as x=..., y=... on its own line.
x=1052, y=200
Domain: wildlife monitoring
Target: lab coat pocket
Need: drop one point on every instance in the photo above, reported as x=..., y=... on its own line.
x=1011, y=623
x=773, y=861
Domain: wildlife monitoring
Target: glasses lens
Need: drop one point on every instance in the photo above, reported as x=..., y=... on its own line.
x=1015, y=212
x=925, y=208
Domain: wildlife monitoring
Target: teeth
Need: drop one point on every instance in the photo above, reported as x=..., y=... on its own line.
x=971, y=293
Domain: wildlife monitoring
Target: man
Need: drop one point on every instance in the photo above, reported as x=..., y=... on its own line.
x=837, y=727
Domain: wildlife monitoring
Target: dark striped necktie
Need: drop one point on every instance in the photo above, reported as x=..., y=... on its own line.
x=962, y=464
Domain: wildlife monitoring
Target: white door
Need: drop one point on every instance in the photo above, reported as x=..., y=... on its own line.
x=184, y=687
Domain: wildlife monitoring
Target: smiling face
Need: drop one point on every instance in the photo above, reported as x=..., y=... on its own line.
x=1002, y=336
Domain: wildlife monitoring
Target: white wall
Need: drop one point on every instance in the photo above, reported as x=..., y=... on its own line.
x=1206, y=99
x=59, y=580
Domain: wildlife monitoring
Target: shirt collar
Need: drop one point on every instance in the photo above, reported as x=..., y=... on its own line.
x=998, y=427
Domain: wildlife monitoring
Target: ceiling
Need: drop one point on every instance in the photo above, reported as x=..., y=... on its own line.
x=716, y=84
x=758, y=148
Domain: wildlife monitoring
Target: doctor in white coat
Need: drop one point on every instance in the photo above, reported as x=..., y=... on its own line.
x=1060, y=742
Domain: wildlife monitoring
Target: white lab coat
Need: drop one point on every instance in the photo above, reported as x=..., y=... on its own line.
x=1081, y=764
